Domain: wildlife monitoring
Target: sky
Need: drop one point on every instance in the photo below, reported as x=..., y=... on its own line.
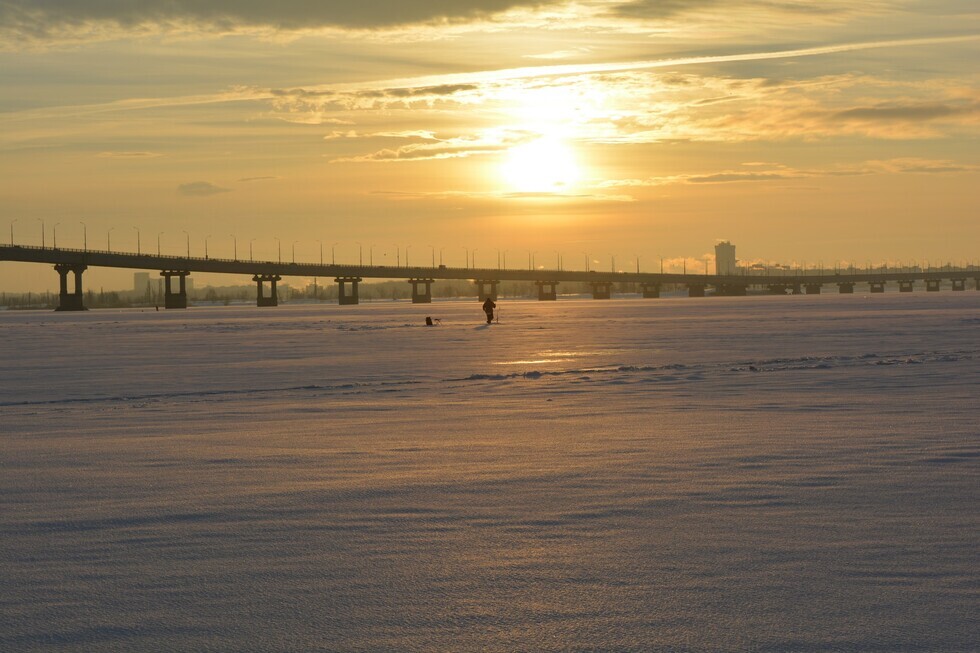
x=610, y=133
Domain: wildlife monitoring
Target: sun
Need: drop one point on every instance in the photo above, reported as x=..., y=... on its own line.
x=546, y=165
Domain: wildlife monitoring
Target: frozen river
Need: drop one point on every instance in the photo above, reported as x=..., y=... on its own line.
x=720, y=474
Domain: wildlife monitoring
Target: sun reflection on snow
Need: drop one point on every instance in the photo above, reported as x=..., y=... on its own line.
x=543, y=357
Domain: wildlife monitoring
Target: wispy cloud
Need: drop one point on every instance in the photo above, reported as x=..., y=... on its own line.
x=200, y=189
x=777, y=173
x=128, y=155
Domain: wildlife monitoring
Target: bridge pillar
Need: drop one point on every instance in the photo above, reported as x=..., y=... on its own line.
x=345, y=298
x=260, y=297
x=70, y=301
x=483, y=293
x=651, y=290
x=877, y=286
x=905, y=285
x=846, y=287
x=601, y=289
x=173, y=299
x=812, y=288
x=959, y=284
x=547, y=290
x=932, y=285
x=425, y=295
x=797, y=288
x=695, y=290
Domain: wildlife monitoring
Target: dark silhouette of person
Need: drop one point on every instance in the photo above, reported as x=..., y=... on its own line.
x=488, y=307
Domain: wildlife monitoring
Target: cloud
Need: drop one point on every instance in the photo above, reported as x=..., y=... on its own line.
x=128, y=155
x=32, y=20
x=778, y=172
x=911, y=112
x=669, y=9
x=488, y=142
x=200, y=189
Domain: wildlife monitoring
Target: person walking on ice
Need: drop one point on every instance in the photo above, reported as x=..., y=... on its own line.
x=488, y=307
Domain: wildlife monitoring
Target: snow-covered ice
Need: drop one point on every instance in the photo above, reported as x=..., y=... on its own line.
x=719, y=474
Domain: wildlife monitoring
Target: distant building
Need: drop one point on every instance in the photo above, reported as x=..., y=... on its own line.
x=725, y=262
x=146, y=286
x=141, y=280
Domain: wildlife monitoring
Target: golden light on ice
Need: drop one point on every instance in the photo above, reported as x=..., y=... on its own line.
x=546, y=165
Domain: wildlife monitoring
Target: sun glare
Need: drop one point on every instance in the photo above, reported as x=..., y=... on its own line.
x=546, y=165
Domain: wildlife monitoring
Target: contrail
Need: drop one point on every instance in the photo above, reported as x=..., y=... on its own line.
x=585, y=69
x=255, y=94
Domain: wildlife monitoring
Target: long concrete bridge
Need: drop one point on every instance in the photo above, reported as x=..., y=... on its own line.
x=175, y=269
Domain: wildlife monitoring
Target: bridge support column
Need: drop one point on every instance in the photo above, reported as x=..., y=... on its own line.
x=260, y=297
x=345, y=298
x=425, y=295
x=877, y=286
x=932, y=285
x=905, y=285
x=812, y=288
x=601, y=289
x=959, y=284
x=70, y=301
x=651, y=290
x=173, y=299
x=695, y=290
x=846, y=287
x=547, y=290
x=486, y=289
x=797, y=288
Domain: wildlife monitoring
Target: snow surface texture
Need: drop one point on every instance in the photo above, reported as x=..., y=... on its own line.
x=720, y=474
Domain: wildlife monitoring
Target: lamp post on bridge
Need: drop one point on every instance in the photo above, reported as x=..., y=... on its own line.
x=138, y=250
x=250, y=259
x=474, y=256
x=188, y=243
x=279, y=247
x=586, y=255
x=54, y=235
x=320, y=242
x=360, y=253
x=41, y=220
x=234, y=241
x=333, y=255
x=440, y=254
x=294, y=252
x=12, y=231
x=407, y=247
x=206, y=245
x=433, y=255
x=467, y=249
x=108, y=244
x=612, y=263
x=158, y=242
x=84, y=235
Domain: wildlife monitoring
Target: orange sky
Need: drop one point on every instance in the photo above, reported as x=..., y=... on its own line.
x=600, y=129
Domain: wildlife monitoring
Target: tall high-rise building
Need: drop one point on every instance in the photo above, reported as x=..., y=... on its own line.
x=141, y=280
x=725, y=262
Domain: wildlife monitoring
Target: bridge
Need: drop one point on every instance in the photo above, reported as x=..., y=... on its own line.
x=266, y=274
